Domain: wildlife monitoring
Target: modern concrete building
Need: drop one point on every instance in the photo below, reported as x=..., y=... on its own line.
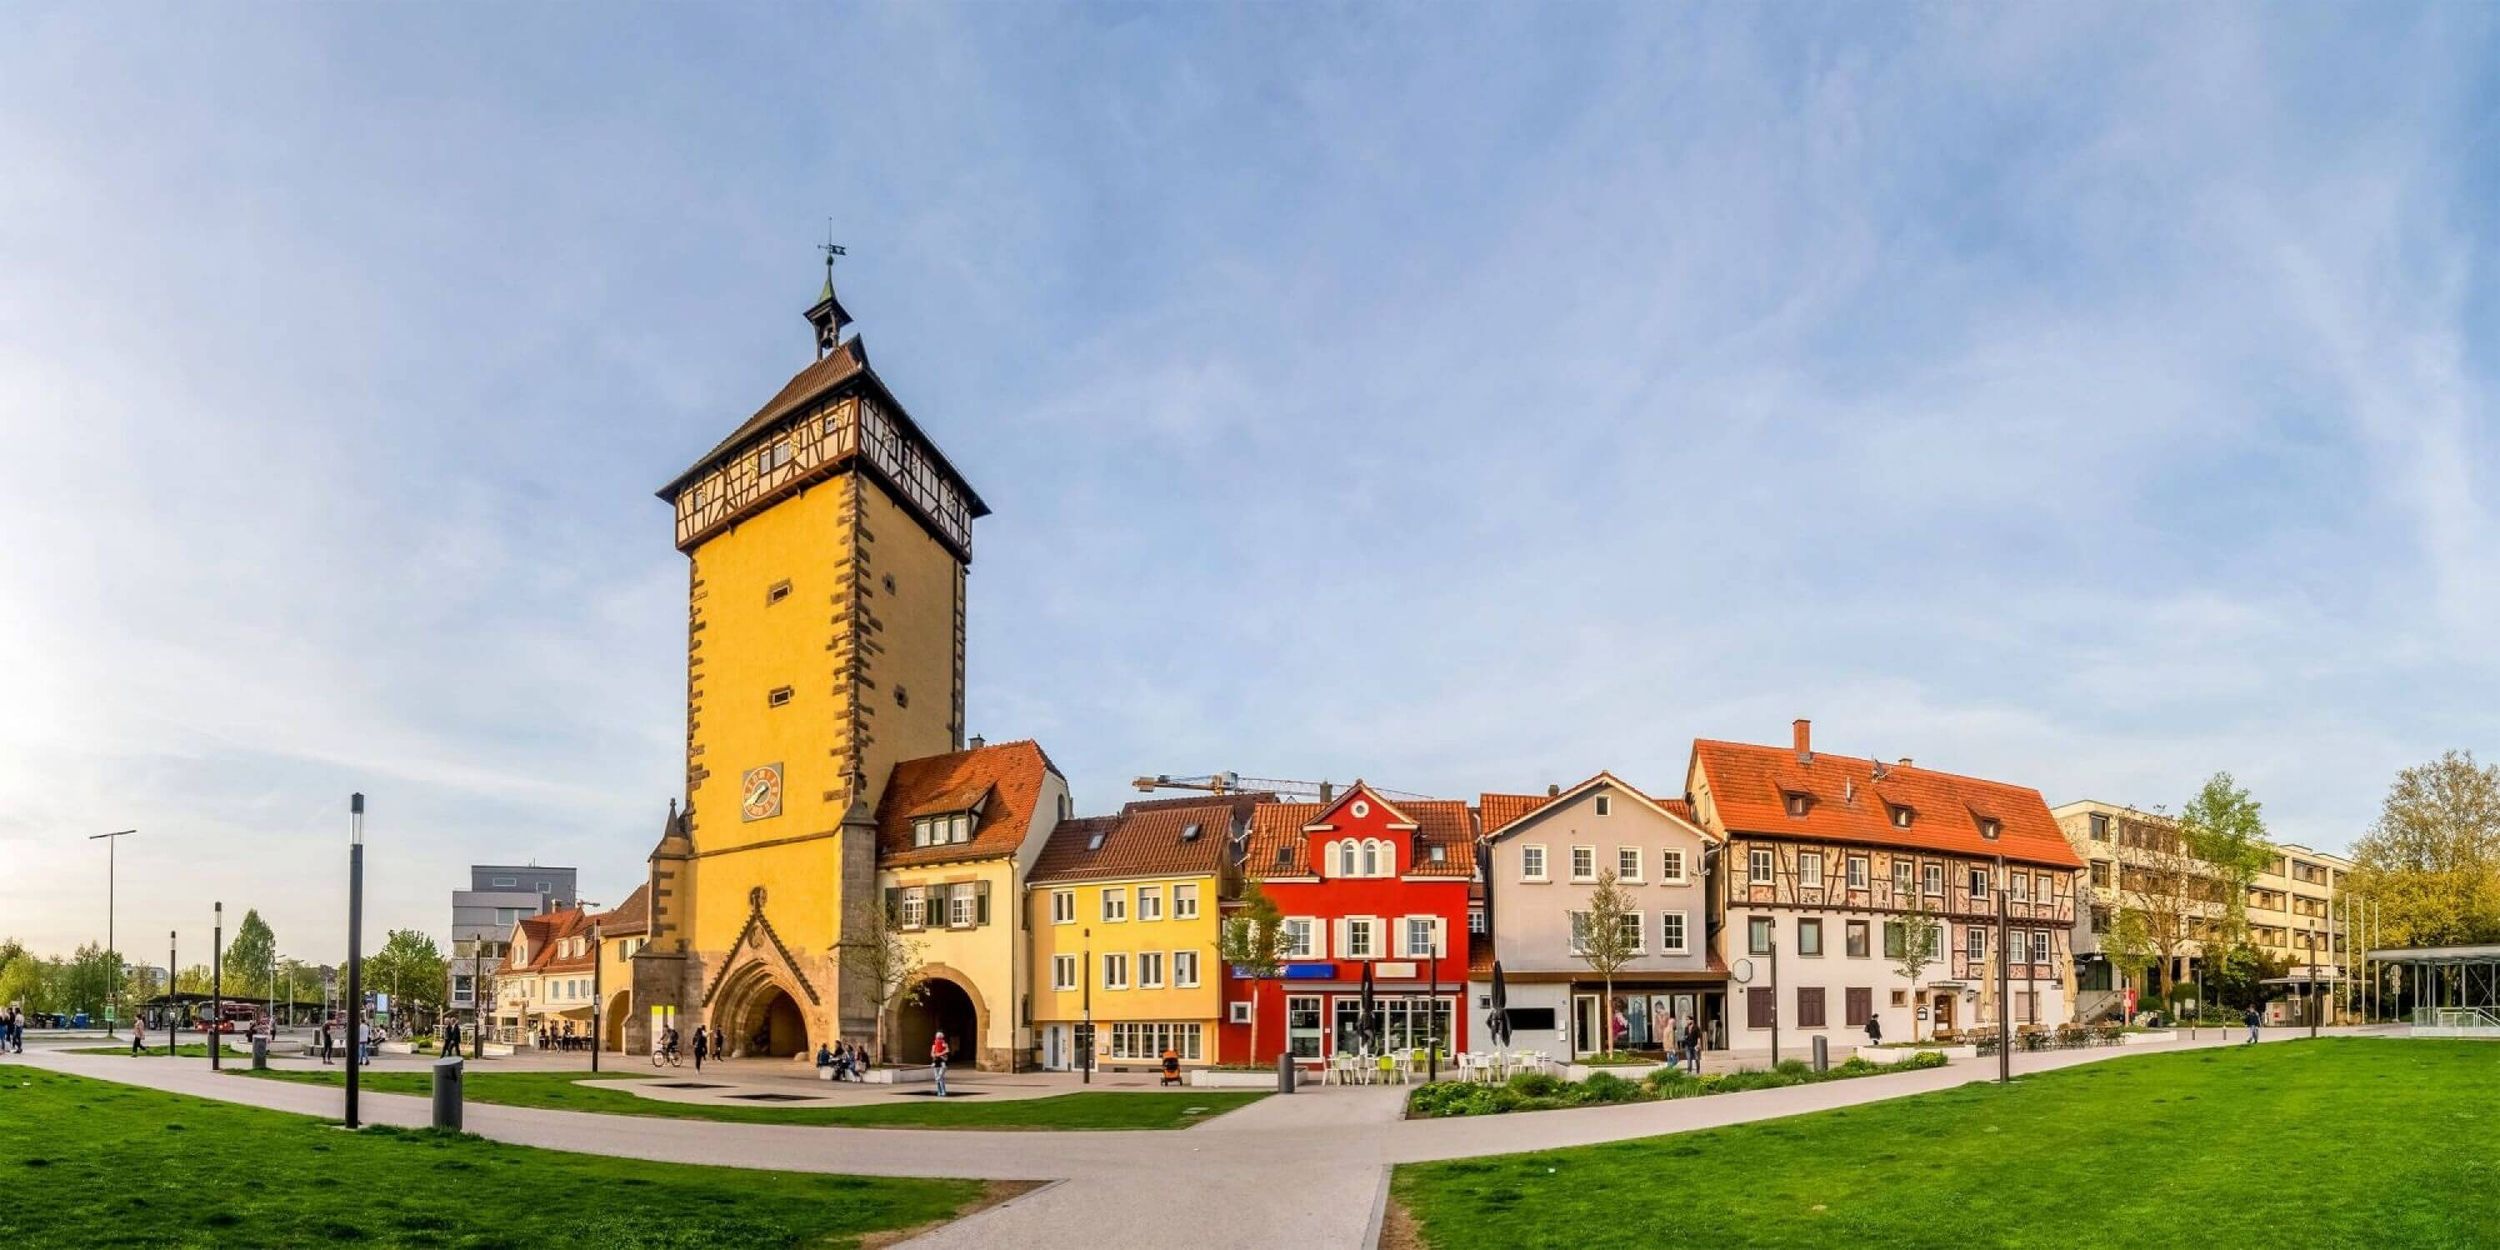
x=2294, y=905
x=499, y=896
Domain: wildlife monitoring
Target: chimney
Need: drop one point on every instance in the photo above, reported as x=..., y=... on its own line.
x=976, y=742
x=1327, y=792
x=1905, y=761
x=1803, y=730
x=1552, y=790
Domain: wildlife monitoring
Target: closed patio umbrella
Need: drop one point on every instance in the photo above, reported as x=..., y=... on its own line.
x=1363, y=1014
x=1497, y=1025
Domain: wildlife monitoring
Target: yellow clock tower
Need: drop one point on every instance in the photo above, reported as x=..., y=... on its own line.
x=826, y=544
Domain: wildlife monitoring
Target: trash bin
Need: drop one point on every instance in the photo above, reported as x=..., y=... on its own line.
x=447, y=1079
x=260, y=1053
x=1284, y=1073
x=1822, y=1053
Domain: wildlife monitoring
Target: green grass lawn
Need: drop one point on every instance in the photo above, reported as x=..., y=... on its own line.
x=92, y=1163
x=2358, y=1141
x=1105, y=1109
x=189, y=1050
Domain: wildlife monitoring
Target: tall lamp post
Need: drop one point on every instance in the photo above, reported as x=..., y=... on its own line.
x=1771, y=927
x=2313, y=979
x=173, y=1013
x=217, y=987
x=355, y=947
x=2005, y=987
x=596, y=992
x=1432, y=1044
x=1085, y=1032
x=112, y=870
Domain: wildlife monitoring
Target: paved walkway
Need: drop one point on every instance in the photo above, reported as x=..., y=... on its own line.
x=1308, y=1169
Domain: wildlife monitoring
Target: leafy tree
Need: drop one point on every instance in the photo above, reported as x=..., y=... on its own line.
x=249, y=957
x=1254, y=943
x=1922, y=943
x=2168, y=897
x=886, y=959
x=2236, y=975
x=88, y=980
x=2223, y=827
x=411, y=970
x=1603, y=940
x=194, y=980
x=2432, y=859
x=29, y=982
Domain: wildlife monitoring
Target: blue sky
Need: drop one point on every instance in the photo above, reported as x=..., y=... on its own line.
x=1463, y=398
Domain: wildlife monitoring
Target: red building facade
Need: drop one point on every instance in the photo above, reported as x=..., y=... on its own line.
x=1360, y=881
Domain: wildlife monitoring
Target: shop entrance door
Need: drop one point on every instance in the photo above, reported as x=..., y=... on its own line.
x=1588, y=1025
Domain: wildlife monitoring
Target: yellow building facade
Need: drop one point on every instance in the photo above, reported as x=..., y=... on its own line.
x=1126, y=917
x=827, y=541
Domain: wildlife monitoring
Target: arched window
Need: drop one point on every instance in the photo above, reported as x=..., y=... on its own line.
x=1371, y=858
x=1345, y=858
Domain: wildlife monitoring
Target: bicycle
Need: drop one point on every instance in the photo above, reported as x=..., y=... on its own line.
x=667, y=1052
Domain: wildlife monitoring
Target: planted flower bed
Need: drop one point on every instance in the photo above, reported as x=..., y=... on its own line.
x=1538, y=1091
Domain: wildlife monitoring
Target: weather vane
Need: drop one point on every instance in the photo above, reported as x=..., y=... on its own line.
x=831, y=249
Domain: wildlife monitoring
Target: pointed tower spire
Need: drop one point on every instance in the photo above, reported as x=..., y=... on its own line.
x=827, y=314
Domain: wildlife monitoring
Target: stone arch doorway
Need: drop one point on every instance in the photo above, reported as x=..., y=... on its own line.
x=758, y=1016
x=618, y=1029
x=945, y=1005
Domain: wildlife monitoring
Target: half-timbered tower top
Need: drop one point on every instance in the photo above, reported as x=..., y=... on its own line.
x=832, y=416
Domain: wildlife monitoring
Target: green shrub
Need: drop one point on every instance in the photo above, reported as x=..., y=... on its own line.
x=1537, y=1084
x=1606, y=1087
x=1793, y=1067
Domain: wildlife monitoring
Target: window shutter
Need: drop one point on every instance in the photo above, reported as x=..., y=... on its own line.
x=1440, y=936
x=893, y=905
x=980, y=902
x=1337, y=934
x=1397, y=939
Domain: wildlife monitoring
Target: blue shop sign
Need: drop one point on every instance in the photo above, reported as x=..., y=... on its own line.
x=1294, y=972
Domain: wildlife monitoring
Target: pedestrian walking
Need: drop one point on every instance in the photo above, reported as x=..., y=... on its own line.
x=2251, y=1018
x=451, y=1037
x=138, y=1036
x=702, y=1047
x=1692, y=1045
x=938, y=1052
x=720, y=1043
x=1874, y=1029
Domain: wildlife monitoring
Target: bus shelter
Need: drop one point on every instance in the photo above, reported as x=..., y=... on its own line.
x=2455, y=990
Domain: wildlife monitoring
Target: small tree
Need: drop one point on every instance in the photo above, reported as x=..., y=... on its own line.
x=249, y=956
x=888, y=960
x=1922, y=941
x=2222, y=826
x=1254, y=945
x=1603, y=940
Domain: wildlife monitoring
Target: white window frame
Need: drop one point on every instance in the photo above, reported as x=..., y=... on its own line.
x=1149, y=903
x=1931, y=880
x=1185, y=901
x=1150, y=970
x=1307, y=930
x=1580, y=876
x=1114, y=970
x=1760, y=865
x=1346, y=857
x=1532, y=863
x=1861, y=870
x=1974, y=942
x=914, y=908
x=1063, y=907
x=1063, y=973
x=1809, y=870
x=1239, y=1012
x=1671, y=870
x=1904, y=876
x=1639, y=925
x=1682, y=930
x=1185, y=969
x=1367, y=929
x=1408, y=948
x=1115, y=904
x=1628, y=861
x=963, y=905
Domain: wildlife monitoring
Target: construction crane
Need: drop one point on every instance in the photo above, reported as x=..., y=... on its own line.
x=1235, y=783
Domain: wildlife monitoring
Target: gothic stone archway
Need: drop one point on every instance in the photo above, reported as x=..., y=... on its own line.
x=620, y=1029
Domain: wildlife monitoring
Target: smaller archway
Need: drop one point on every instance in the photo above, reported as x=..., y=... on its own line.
x=772, y=1027
x=944, y=1006
x=619, y=1030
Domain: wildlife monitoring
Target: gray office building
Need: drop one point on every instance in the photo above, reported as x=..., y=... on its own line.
x=482, y=916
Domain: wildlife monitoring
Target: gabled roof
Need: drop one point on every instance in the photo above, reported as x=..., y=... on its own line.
x=547, y=931
x=1010, y=773
x=1497, y=810
x=1851, y=800
x=1678, y=809
x=1145, y=840
x=1446, y=823
x=626, y=919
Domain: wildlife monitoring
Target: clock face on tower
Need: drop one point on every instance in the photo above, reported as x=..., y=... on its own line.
x=759, y=794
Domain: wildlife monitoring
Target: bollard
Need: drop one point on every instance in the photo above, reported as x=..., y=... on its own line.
x=1822, y=1053
x=260, y=1053
x=447, y=1093
x=1284, y=1073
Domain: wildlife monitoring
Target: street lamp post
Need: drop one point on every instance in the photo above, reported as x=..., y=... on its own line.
x=217, y=987
x=596, y=991
x=1432, y=1045
x=112, y=872
x=173, y=1014
x=1772, y=927
x=1085, y=1034
x=355, y=947
x=2313, y=979
x=2005, y=987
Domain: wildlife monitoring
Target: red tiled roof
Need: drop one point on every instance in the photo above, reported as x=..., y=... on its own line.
x=1445, y=823
x=547, y=932
x=1145, y=840
x=1849, y=801
x=1480, y=956
x=1011, y=772
x=629, y=917
x=1498, y=810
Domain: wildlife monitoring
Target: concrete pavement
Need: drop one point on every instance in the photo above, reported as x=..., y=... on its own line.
x=1308, y=1169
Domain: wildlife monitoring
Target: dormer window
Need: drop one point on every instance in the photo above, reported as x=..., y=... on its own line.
x=1901, y=816
x=946, y=829
x=1989, y=828
x=1795, y=801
